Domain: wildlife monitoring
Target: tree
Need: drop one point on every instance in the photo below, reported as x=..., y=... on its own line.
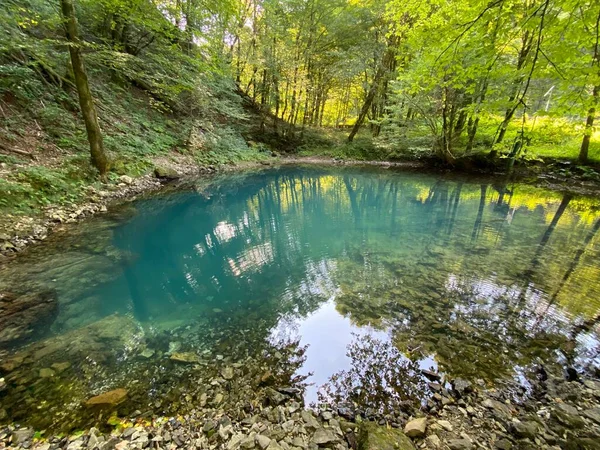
x=86, y=101
x=589, y=124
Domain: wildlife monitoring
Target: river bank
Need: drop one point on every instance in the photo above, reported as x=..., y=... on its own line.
x=552, y=413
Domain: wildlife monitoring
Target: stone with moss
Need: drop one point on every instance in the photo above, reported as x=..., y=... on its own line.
x=375, y=437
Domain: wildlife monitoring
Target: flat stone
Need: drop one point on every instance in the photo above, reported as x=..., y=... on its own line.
x=109, y=398
x=185, y=357
x=416, y=427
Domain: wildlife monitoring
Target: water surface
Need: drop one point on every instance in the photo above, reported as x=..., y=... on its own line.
x=280, y=271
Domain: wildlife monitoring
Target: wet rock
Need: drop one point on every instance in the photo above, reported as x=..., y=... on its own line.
x=165, y=173
x=374, y=437
x=24, y=317
x=109, y=398
x=185, y=357
x=416, y=427
x=147, y=353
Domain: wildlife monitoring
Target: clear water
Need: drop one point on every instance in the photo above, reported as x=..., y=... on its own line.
x=280, y=271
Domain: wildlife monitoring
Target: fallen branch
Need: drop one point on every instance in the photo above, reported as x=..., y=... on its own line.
x=18, y=152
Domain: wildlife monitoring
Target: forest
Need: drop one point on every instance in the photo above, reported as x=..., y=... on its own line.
x=233, y=80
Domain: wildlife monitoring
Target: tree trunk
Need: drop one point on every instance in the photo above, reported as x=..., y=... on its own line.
x=382, y=72
x=86, y=101
x=589, y=124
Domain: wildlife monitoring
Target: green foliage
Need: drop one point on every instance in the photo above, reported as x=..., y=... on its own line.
x=224, y=145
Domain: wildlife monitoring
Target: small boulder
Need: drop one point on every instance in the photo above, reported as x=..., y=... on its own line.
x=126, y=179
x=166, y=173
x=416, y=427
x=109, y=398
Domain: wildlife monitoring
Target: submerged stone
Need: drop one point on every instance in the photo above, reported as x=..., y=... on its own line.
x=109, y=398
x=185, y=357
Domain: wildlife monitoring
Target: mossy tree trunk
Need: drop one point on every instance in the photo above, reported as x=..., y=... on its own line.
x=86, y=101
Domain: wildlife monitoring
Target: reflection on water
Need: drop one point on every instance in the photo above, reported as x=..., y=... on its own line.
x=479, y=280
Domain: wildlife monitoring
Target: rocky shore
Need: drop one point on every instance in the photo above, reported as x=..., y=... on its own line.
x=19, y=231
x=551, y=413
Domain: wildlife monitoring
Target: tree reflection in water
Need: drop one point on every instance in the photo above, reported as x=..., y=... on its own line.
x=381, y=379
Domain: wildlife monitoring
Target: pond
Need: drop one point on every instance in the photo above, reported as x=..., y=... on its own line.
x=345, y=281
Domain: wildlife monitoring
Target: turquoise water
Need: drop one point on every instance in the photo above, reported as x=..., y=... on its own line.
x=282, y=270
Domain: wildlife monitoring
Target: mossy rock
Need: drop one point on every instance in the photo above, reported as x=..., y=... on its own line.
x=374, y=437
x=165, y=173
